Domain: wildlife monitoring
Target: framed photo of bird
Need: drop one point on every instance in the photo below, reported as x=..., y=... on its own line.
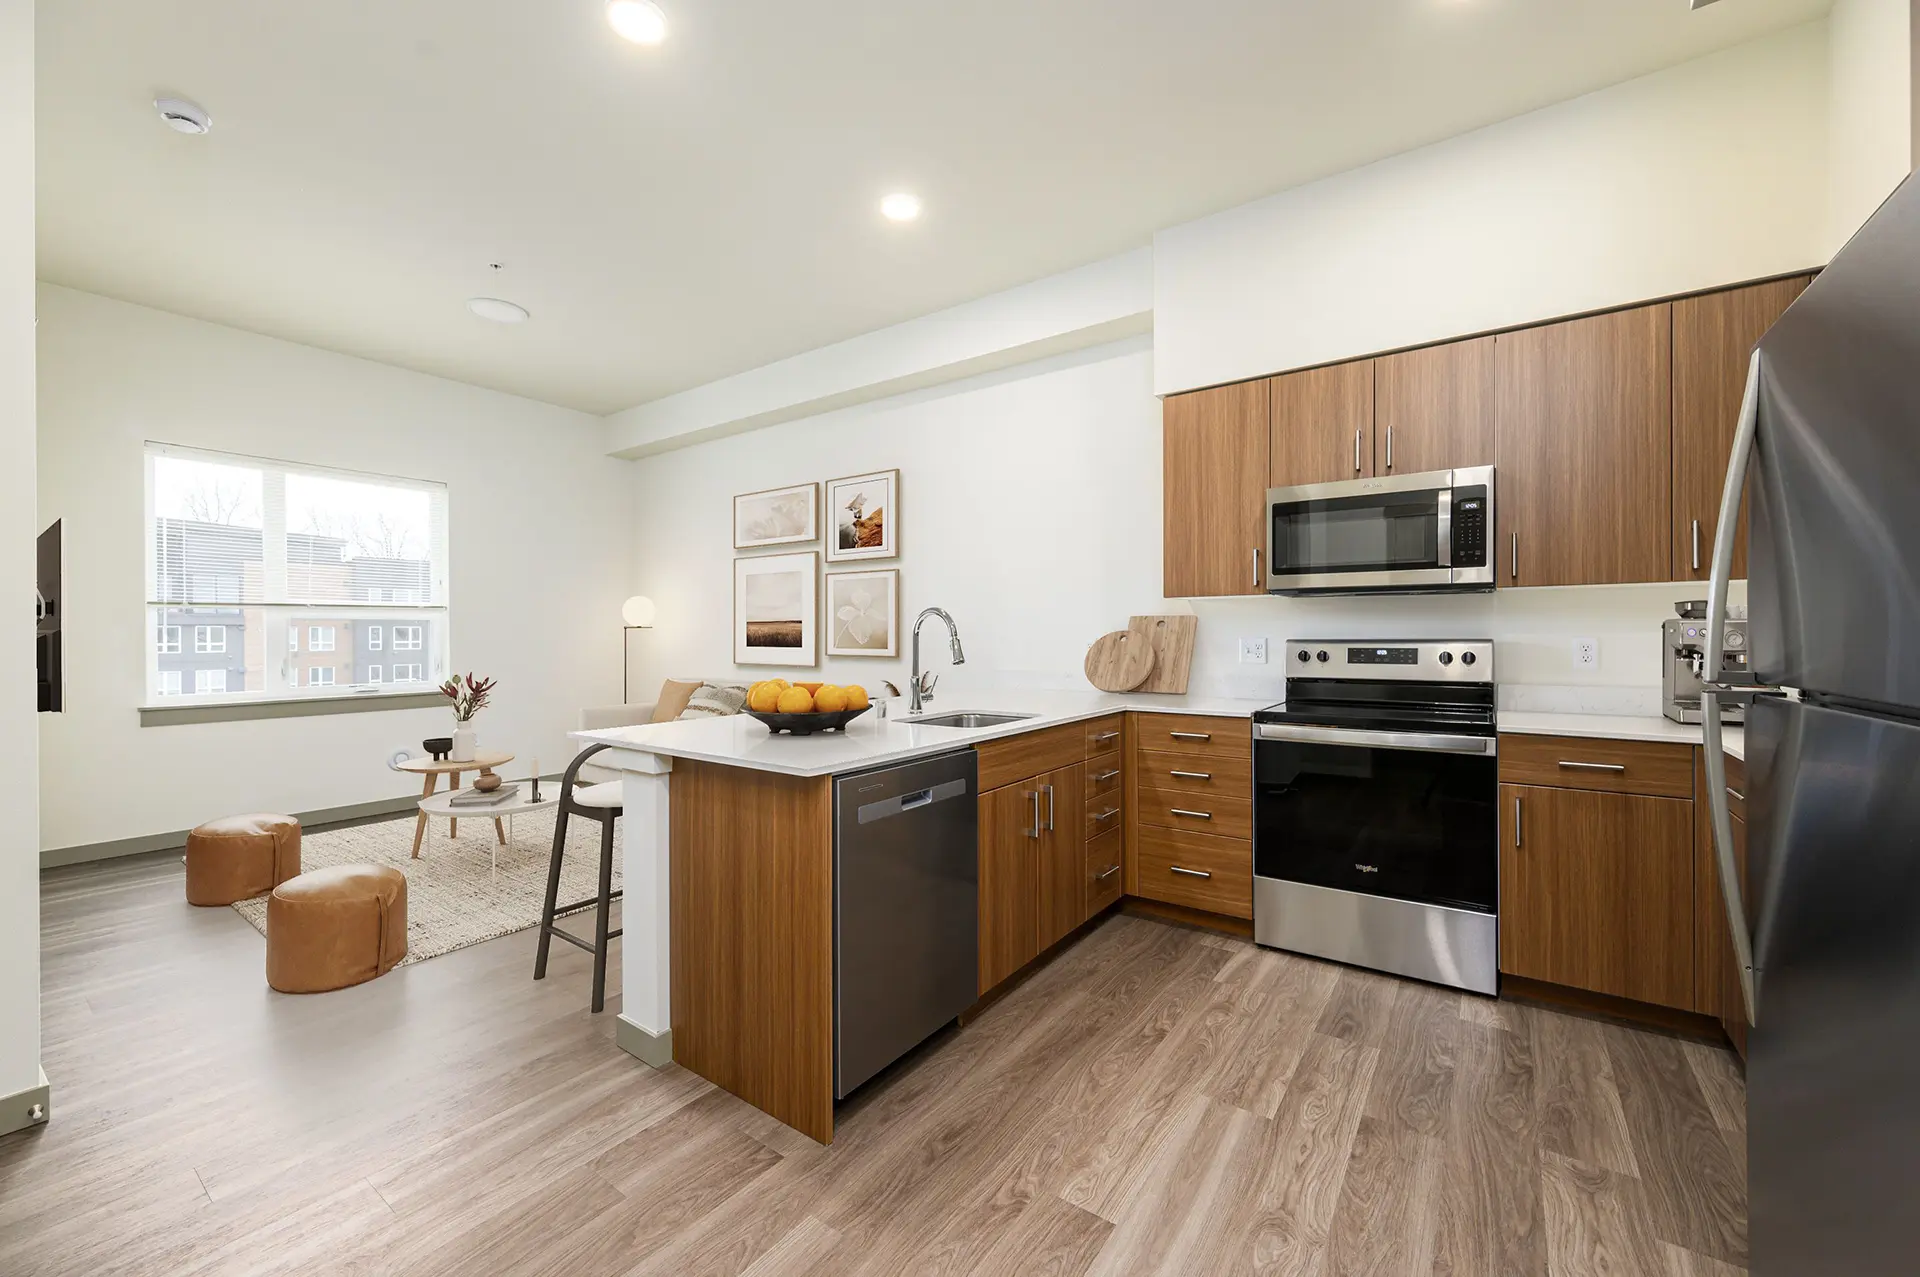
x=865, y=514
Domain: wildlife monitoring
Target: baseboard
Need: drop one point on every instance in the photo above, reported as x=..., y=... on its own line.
x=31, y=1107
x=654, y=1050
x=1641, y=1015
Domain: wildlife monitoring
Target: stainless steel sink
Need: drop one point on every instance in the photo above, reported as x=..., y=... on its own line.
x=966, y=720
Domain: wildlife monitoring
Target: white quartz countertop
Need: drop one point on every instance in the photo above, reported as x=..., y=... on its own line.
x=1616, y=727
x=871, y=741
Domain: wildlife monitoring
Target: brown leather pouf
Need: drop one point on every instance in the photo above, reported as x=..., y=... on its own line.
x=336, y=927
x=241, y=857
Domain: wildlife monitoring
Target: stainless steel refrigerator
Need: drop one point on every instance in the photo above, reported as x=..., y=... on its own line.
x=1828, y=935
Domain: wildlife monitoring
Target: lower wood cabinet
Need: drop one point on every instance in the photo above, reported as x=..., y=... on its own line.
x=1033, y=868
x=1596, y=891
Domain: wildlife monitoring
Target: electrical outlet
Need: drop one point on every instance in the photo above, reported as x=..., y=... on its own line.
x=1253, y=651
x=1586, y=653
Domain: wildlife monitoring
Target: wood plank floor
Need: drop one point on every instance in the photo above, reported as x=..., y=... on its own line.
x=1157, y=1100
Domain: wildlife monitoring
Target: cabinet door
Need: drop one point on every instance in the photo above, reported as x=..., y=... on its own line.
x=1009, y=854
x=1061, y=901
x=1322, y=425
x=1433, y=408
x=1583, y=438
x=1215, y=490
x=1596, y=892
x=1713, y=338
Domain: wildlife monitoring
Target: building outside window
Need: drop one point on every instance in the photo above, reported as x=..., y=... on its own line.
x=320, y=676
x=406, y=638
x=209, y=681
x=407, y=674
x=209, y=638
x=293, y=638
x=169, y=684
x=373, y=673
x=167, y=641
x=319, y=638
x=373, y=638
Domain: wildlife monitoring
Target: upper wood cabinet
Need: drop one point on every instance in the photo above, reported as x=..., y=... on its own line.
x=1713, y=338
x=1215, y=480
x=1322, y=425
x=1433, y=408
x=1583, y=421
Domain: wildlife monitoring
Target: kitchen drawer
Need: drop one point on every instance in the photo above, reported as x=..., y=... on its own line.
x=1736, y=787
x=1104, y=814
x=1190, y=734
x=1104, y=775
x=1017, y=758
x=1103, y=872
x=1208, y=814
x=1196, y=773
x=1214, y=874
x=1659, y=769
x=1103, y=735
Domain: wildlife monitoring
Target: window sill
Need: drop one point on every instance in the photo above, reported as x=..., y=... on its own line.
x=294, y=707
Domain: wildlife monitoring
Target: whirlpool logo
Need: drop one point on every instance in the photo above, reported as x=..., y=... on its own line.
x=1368, y=869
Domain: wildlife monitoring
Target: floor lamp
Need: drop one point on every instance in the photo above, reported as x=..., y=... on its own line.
x=637, y=612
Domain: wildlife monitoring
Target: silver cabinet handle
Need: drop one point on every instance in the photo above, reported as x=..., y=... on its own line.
x=1191, y=873
x=1196, y=815
x=1593, y=767
x=1108, y=814
x=1107, y=873
x=1696, y=545
x=1516, y=823
x=1192, y=775
x=1734, y=793
x=1513, y=556
x=1104, y=736
x=1389, y=447
x=1258, y=582
x=1356, y=450
x=1104, y=777
x=1191, y=735
x=1048, y=789
x=1034, y=796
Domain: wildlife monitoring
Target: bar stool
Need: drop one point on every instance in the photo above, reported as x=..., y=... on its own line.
x=596, y=802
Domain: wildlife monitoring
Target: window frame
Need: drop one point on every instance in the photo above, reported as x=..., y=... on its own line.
x=203, y=640
x=203, y=677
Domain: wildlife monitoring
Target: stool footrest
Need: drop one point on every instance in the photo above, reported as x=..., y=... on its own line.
x=588, y=903
x=578, y=943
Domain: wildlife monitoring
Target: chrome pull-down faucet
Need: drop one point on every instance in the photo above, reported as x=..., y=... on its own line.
x=922, y=684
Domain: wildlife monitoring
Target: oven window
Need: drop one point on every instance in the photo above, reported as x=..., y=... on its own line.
x=1388, y=530
x=1407, y=824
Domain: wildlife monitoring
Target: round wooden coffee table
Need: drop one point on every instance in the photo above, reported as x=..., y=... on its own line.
x=442, y=805
x=433, y=769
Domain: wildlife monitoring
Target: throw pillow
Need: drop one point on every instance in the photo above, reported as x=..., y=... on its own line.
x=715, y=700
x=674, y=695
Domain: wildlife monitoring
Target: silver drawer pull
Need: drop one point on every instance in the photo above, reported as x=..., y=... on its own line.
x=1104, y=736
x=1192, y=775
x=1108, y=814
x=1107, y=873
x=1735, y=794
x=1191, y=735
x=1593, y=767
x=1197, y=815
x=1104, y=777
x=1191, y=873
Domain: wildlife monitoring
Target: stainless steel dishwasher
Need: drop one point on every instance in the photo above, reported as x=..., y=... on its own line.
x=906, y=909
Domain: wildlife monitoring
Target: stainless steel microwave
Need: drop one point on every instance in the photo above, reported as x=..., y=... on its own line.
x=1400, y=534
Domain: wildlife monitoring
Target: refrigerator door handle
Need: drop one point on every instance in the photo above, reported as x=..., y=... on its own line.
x=1714, y=733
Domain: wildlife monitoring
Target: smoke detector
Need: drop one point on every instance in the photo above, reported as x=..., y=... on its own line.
x=183, y=116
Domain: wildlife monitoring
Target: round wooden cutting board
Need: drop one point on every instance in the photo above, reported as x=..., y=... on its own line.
x=1120, y=661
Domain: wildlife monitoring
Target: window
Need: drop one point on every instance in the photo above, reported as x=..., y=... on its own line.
x=373, y=673
x=320, y=676
x=169, y=684
x=407, y=674
x=209, y=680
x=236, y=546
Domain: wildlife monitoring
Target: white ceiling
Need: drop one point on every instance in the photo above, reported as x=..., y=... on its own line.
x=678, y=214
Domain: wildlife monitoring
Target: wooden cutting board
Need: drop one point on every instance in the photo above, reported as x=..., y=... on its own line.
x=1123, y=660
x=1172, y=651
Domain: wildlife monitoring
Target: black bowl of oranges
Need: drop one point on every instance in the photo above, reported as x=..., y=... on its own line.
x=805, y=708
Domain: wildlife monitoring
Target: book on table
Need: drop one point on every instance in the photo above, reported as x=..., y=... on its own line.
x=474, y=798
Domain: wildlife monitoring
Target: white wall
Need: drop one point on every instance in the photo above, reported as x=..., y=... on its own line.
x=541, y=559
x=19, y=848
x=1700, y=175
x=1870, y=120
x=1030, y=509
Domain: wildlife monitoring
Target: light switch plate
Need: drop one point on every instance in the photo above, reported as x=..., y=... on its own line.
x=1586, y=653
x=1253, y=651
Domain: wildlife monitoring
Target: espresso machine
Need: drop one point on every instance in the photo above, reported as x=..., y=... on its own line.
x=1686, y=663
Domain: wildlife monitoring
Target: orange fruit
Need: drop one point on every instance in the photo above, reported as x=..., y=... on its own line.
x=764, y=698
x=813, y=689
x=796, y=700
x=830, y=699
x=856, y=697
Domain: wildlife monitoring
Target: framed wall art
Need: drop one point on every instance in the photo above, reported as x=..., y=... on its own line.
x=778, y=516
x=863, y=613
x=776, y=606
x=863, y=514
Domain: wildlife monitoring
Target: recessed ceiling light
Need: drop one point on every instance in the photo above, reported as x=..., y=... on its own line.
x=901, y=206
x=640, y=21
x=183, y=116
x=500, y=312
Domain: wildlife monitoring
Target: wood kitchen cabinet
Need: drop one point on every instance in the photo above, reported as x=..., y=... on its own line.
x=1322, y=425
x=1433, y=408
x=1033, y=860
x=1596, y=891
x=1583, y=418
x=1713, y=339
x=1215, y=491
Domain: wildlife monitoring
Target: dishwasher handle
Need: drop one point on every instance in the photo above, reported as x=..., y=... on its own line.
x=900, y=804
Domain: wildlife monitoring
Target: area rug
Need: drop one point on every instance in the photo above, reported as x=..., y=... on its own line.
x=455, y=894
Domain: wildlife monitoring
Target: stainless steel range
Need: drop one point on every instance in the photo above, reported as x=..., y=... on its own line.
x=1376, y=786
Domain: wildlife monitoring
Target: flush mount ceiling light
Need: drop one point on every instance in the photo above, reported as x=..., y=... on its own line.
x=183, y=116
x=901, y=206
x=640, y=21
x=500, y=312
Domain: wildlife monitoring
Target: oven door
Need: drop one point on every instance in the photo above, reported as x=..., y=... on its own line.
x=1362, y=534
x=1406, y=815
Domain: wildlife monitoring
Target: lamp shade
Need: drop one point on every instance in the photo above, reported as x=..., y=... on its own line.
x=638, y=612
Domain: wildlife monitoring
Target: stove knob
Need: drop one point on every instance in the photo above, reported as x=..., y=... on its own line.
x=1468, y=658
x=1446, y=658
x=1322, y=656
x=1305, y=656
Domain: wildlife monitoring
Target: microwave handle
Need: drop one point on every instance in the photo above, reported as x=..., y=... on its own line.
x=1445, y=531
x=1259, y=585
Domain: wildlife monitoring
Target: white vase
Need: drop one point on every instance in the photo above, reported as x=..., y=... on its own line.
x=465, y=743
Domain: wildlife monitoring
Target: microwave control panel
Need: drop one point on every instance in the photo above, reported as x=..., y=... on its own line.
x=1470, y=537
